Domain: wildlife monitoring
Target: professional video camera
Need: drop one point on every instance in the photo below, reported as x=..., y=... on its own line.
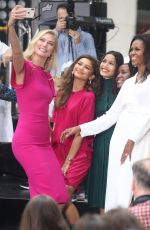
x=71, y=19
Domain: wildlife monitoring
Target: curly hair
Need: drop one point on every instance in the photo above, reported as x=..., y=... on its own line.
x=68, y=79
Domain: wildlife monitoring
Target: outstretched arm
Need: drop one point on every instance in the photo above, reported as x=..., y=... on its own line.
x=17, y=13
x=69, y=132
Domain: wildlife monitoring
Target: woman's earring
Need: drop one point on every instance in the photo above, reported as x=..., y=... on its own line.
x=90, y=82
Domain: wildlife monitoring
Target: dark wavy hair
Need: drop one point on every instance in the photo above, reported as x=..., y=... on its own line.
x=145, y=38
x=119, y=61
x=68, y=79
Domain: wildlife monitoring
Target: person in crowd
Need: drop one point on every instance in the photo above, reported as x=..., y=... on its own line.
x=131, y=137
x=91, y=221
x=42, y=213
x=124, y=73
x=74, y=105
x=6, y=93
x=109, y=65
x=121, y=219
x=35, y=89
x=5, y=53
x=140, y=206
x=6, y=125
x=72, y=42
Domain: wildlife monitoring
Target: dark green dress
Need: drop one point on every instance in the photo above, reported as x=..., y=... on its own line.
x=97, y=177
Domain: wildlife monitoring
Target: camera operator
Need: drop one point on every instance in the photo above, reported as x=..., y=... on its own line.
x=72, y=41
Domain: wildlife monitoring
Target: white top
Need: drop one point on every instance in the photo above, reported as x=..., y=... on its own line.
x=3, y=48
x=131, y=113
x=134, y=98
x=6, y=126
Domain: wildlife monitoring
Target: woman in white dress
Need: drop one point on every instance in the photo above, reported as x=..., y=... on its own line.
x=131, y=138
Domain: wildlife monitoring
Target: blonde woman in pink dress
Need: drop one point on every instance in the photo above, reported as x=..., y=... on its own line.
x=35, y=90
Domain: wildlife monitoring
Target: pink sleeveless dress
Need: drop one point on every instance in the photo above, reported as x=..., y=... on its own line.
x=31, y=141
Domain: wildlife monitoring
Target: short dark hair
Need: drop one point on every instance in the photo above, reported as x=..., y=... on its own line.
x=62, y=6
x=145, y=38
x=121, y=218
x=90, y=221
x=141, y=172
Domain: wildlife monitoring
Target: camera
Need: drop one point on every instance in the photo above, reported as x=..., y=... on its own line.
x=71, y=22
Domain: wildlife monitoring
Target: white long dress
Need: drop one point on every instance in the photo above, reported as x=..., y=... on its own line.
x=131, y=111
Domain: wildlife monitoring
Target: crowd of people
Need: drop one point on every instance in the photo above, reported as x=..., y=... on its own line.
x=57, y=153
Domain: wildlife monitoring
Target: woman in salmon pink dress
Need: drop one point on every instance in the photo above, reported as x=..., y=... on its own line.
x=35, y=90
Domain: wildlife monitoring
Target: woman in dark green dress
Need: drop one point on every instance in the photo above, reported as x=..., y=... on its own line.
x=97, y=177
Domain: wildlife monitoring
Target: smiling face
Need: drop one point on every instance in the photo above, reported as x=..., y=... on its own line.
x=137, y=53
x=83, y=69
x=123, y=74
x=45, y=46
x=108, y=66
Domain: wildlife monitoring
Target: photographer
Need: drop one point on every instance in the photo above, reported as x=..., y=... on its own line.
x=72, y=41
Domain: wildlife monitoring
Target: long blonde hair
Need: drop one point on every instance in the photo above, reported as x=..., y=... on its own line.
x=51, y=61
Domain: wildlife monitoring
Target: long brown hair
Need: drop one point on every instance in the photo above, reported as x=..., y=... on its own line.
x=42, y=212
x=68, y=79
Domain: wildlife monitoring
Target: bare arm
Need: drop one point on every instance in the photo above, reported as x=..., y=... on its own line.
x=69, y=132
x=18, y=12
x=77, y=141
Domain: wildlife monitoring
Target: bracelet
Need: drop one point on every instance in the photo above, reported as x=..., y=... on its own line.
x=69, y=158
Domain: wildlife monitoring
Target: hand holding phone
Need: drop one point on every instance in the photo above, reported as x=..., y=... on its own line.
x=30, y=12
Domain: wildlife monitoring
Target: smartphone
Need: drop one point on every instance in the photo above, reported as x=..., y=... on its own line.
x=30, y=12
